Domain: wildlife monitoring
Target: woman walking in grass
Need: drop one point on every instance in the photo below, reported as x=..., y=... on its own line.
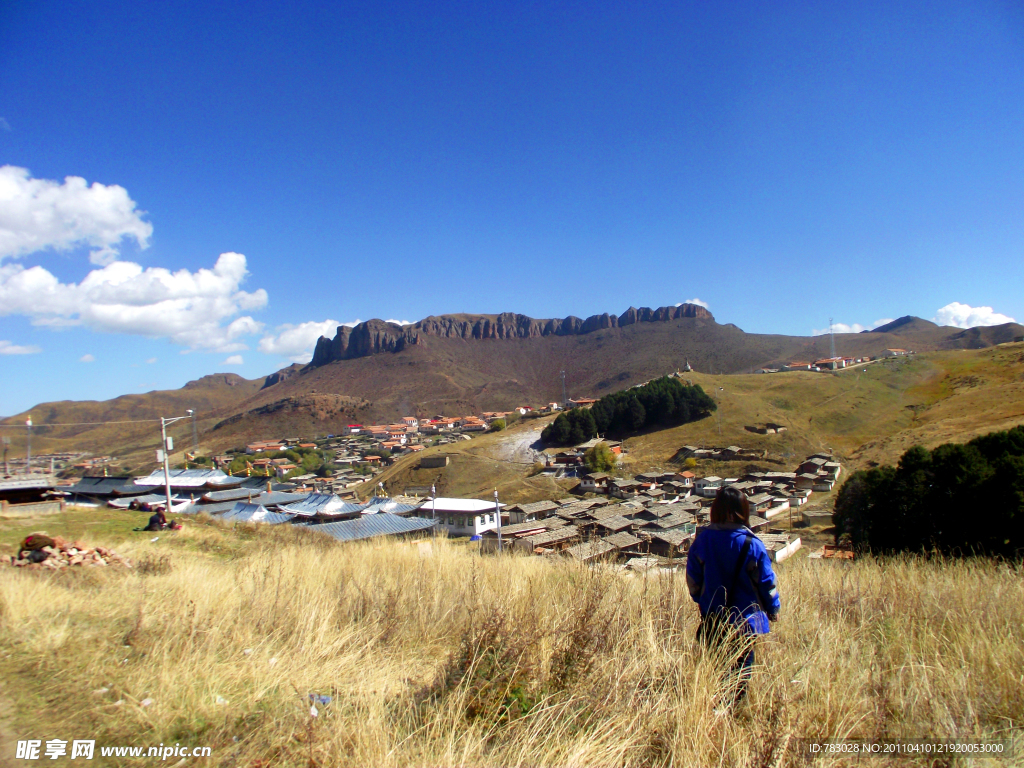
x=729, y=575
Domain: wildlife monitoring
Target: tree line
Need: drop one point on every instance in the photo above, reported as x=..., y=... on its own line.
x=664, y=402
x=957, y=499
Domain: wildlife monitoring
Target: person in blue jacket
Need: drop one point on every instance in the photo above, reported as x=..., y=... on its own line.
x=729, y=575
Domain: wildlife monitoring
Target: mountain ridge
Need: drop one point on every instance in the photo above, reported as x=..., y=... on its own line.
x=377, y=336
x=465, y=363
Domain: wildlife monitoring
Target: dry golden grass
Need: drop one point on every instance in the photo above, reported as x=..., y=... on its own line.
x=437, y=656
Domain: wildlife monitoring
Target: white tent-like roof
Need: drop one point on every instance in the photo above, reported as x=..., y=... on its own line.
x=459, y=506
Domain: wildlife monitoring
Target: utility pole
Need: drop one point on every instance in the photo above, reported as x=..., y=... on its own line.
x=497, y=512
x=195, y=435
x=7, y=468
x=564, y=398
x=831, y=341
x=28, y=444
x=167, y=445
x=722, y=390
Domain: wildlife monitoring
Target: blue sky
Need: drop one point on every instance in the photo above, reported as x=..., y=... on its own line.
x=780, y=162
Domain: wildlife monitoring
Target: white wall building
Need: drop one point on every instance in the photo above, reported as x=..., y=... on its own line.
x=462, y=517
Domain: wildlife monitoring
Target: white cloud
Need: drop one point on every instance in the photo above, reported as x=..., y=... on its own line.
x=296, y=342
x=6, y=348
x=851, y=328
x=193, y=309
x=965, y=316
x=41, y=214
x=151, y=360
x=233, y=360
x=87, y=359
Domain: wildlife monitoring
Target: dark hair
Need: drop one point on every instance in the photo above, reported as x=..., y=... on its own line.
x=730, y=506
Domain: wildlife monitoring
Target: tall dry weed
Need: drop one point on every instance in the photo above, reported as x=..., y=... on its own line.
x=455, y=659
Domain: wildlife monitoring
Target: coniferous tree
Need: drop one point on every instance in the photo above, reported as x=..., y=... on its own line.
x=926, y=503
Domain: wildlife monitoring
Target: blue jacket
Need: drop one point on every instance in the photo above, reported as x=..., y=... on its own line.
x=710, y=564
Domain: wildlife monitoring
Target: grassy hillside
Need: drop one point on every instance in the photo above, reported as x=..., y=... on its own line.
x=870, y=414
x=501, y=461
x=436, y=656
x=128, y=426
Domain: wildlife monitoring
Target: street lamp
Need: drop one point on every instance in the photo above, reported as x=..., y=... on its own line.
x=497, y=511
x=163, y=454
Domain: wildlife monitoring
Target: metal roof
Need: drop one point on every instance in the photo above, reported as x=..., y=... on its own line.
x=104, y=486
x=254, y=513
x=390, y=506
x=367, y=527
x=232, y=494
x=212, y=509
x=322, y=504
x=149, y=498
x=29, y=483
x=189, y=478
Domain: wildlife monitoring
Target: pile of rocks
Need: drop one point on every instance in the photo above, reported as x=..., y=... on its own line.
x=39, y=551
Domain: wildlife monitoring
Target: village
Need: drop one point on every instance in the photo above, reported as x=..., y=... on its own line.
x=642, y=521
x=835, y=363
x=645, y=520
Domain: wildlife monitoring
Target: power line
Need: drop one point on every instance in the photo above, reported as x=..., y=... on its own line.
x=82, y=423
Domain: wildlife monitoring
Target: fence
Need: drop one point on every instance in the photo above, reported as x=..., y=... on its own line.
x=31, y=509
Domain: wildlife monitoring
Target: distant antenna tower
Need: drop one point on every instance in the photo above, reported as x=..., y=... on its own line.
x=831, y=340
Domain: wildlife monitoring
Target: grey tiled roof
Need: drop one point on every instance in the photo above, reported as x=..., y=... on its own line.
x=622, y=540
x=590, y=549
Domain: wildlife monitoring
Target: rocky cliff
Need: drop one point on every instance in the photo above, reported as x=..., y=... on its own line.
x=376, y=336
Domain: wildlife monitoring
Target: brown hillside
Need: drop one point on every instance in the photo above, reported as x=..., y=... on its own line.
x=128, y=426
x=460, y=364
